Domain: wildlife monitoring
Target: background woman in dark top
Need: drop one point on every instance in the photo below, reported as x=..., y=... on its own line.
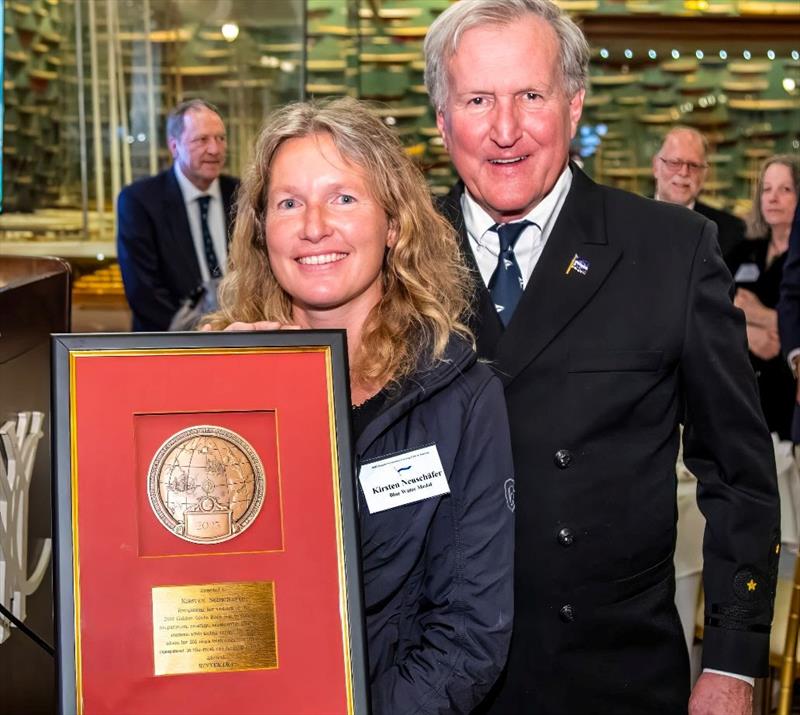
x=757, y=265
x=335, y=228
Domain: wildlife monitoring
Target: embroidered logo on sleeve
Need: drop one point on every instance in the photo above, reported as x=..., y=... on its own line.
x=508, y=488
x=748, y=585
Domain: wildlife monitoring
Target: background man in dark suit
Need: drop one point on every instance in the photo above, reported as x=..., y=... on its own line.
x=789, y=313
x=608, y=317
x=172, y=228
x=680, y=168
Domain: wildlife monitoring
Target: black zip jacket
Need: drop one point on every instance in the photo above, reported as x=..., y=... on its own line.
x=438, y=572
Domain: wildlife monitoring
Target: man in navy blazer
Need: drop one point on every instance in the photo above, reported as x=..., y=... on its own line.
x=609, y=320
x=789, y=313
x=173, y=228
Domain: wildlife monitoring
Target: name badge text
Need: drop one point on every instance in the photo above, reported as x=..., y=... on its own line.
x=403, y=478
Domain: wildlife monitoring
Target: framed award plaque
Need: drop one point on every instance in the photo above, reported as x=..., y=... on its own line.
x=206, y=531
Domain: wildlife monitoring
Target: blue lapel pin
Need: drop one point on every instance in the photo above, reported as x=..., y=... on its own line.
x=578, y=264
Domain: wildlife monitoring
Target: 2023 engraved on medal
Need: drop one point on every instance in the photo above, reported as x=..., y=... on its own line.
x=206, y=484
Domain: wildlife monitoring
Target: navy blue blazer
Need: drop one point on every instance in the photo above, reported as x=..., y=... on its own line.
x=154, y=247
x=789, y=306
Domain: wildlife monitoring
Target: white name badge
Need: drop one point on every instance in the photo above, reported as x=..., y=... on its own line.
x=403, y=478
x=747, y=273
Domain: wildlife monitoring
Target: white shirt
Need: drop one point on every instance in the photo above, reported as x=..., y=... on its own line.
x=485, y=244
x=792, y=355
x=216, y=221
x=690, y=205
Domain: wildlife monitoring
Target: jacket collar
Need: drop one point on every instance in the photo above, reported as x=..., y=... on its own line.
x=557, y=291
x=418, y=387
x=483, y=321
x=553, y=296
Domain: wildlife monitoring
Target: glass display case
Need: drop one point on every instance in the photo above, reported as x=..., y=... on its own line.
x=88, y=84
x=87, y=88
x=736, y=78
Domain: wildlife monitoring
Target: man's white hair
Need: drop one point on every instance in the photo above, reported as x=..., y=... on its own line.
x=445, y=32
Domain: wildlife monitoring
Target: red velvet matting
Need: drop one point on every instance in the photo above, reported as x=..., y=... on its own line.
x=125, y=407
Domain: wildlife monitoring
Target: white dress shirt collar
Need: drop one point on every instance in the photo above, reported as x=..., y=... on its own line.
x=190, y=192
x=478, y=221
x=690, y=205
x=485, y=244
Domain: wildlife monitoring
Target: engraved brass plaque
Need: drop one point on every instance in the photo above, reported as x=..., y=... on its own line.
x=206, y=484
x=216, y=627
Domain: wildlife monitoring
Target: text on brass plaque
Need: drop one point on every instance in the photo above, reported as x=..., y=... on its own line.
x=214, y=627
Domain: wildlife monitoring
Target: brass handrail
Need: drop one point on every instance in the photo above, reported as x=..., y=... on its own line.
x=789, y=659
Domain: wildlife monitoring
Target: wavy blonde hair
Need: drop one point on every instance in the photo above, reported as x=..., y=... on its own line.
x=426, y=286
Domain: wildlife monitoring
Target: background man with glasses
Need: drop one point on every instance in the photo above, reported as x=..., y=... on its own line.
x=680, y=168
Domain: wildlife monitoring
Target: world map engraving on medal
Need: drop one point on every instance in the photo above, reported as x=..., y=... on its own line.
x=206, y=484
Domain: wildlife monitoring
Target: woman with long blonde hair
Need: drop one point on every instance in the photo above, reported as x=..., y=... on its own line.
x=335, y=228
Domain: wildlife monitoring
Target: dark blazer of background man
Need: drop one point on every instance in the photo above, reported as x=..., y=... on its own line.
x=624, y=327
x=680, y=169
x=789, y=313
x=162, y=262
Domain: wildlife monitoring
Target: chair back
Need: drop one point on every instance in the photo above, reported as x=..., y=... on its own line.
x=788, y=665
